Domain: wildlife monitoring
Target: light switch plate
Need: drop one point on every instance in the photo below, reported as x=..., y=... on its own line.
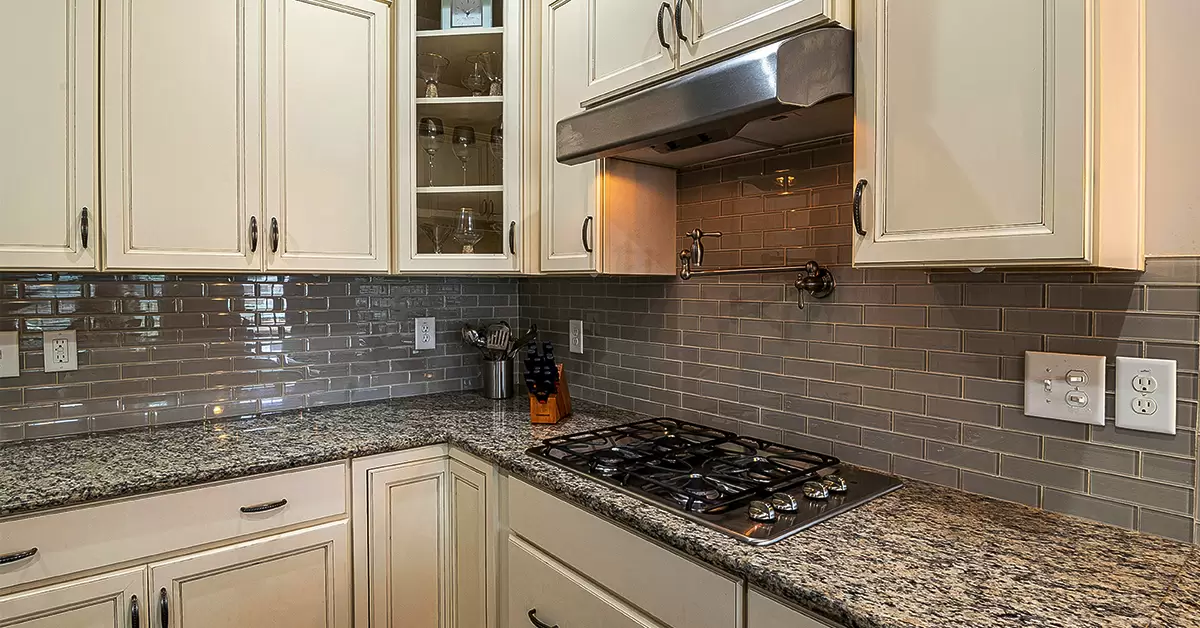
x=1064, y=386
x=426, y=328
x=576, y=336
x=1146, y=394
x=10, y=354
x=61, y=351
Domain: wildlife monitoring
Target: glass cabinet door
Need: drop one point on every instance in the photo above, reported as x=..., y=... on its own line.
x=458, y=100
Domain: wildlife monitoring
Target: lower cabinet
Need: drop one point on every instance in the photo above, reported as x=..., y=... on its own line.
x=298, y=579
x=105, y=601
x=765, y=612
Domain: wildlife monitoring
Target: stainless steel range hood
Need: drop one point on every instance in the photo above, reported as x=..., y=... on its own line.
x=785, y=92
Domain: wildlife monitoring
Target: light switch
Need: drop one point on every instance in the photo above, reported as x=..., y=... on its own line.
x=1065, y=387
x=1146, y=394
x=10, y=354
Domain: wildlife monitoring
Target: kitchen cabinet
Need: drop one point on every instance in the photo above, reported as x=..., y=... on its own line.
x=765, y=612
x=999, y=132
x=104, y=601
x=49, y=51
x=713, y=27
x=470, y=502
x=611, y=216
x=299, y=579
x=628, y=42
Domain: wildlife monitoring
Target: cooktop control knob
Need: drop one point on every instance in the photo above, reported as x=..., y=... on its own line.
x=835, y=483
x=761, y=511
x=784, y=502
x=815, y=490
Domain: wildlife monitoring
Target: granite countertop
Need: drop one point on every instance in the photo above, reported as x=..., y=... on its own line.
x=923, y=556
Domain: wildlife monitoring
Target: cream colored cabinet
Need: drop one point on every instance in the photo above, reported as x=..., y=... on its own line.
x=298, y=579
x=613, y=216
x=765, y=612
x=713, y=27
x=106, y=601
x=327, y=135
x=471, y=559
x=999, y=132
x=49, y=51
x=627, y=41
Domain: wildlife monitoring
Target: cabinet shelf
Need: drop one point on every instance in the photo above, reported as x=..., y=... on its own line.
x=460, y=189
x=461, y=32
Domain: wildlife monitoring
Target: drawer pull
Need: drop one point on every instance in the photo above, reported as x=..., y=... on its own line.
x=135, y=612
x=17, y=556
x=164, y=615
x=534, y=620
x=264, y=507
x=858, y=193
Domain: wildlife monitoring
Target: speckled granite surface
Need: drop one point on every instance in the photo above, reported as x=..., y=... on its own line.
x=923, y=556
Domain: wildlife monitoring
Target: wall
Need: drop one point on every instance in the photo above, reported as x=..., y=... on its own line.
x=912, y=372
x=157, y=349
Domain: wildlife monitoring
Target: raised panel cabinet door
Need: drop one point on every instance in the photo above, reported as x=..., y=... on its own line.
x=470, y=560
x=713, y=27
x=48, y=55
x=181, y=121
x=569, y=193
x=406, y=545
x=298, y=579
x=764, y=612
x=327, y=203
x=113, y=600
x=626, y=44
x=971, y=137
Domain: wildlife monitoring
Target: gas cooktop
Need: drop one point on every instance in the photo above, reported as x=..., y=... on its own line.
x=751, y=489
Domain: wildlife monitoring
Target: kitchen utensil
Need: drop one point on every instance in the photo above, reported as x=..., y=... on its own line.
x=430, y=132
x=472, y=337
x=523, y=340
x=463, y=144
x=430, y=66
x=498, y=378
x=499, y=335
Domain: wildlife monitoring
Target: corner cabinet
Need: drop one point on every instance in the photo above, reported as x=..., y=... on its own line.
x=49, y=51
x=999, y=132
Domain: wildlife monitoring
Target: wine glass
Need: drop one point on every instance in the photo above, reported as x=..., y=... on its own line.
x=437, y=234
x=476, y=79
x=430, y=131
x=496, y=146
x=430, y=66
x=469, y=231
x=491, y=69
x=464, y=139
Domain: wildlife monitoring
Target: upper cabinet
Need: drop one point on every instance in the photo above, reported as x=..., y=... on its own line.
x=711, y=27
x=630, y=41
x=48, y=58
x=193, y=144
x=999, y=132
x=457, y=140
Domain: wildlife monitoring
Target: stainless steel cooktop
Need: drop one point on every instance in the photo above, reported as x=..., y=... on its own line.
x=751, y=489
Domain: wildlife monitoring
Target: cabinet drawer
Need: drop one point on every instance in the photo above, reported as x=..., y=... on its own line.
x=674, y=589
x=559, y=596
x=91, y=537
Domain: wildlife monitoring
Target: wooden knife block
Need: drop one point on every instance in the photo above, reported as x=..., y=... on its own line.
x=554, y=409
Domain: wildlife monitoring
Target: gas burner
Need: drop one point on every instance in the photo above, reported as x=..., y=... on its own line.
x=612, y=459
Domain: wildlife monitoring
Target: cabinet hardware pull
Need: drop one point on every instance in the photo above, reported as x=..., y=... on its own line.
x=858, y=192
x=662, y=38
x=274, y=235
x=534, y=620
x=586, y=223
x=679, y=21
x=164, y=615
x=135, y=612
x=512, y=235
x=83, y=227
x=17, y=556
x=264, y=507
x=253, y=234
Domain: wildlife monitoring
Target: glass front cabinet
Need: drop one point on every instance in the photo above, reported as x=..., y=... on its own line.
x=458, y=99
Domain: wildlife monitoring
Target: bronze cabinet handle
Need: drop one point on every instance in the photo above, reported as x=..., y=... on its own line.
x=135, y=613
x=164, y=614
x=84, y=224
x=274, y=235
x=662, y=38
x=14, y=557
x=253, y=234
x=534, y=620
x=264, y=507
x=679, y=21
x=512, y=235
x=858, y=194
x=586, y=223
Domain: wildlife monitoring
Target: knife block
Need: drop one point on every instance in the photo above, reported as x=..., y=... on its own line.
x=554, y=409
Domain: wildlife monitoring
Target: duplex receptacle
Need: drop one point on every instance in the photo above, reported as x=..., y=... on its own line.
x=426, y=333
x=576, y=336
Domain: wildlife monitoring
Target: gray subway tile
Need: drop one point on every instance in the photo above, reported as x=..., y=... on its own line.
x=893, y=400
x=1098, y=297
x=1169, y=469
x=862, y=456
x=1181, y=443
x=1001, y=343
x=963, y=457
x=1063, y=322
x=927, y=471
x=862, y=375
x=1026, y=445
x=835, y=392
x=1015, y=419
x=1090, y=456
x=865, y=417
x=1153, y=494
x=945, y=385
x=939, y=339
x=961, y=410
x=1149, y=326
x=964, y=364
x=834, y=431
x=1089, y=507
x=892, y=442
x=1166, y=524
x=1043, y=473
x=926, y=427
x=993, y=391
x=1001, y=488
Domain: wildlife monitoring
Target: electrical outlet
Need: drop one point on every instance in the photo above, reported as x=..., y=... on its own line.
x=576, y=336
x=61, y=351
x=10, y=354
x=1065, y=387
x=1146, y=395
x=426, y=333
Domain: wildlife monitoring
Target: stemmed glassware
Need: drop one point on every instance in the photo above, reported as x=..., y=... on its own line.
x=437, y=233
x=496, y=146
x=430, y=131
x=476, y=79
x=464, y=140
x=469, y=231
x=491, y=69
x=430, y=66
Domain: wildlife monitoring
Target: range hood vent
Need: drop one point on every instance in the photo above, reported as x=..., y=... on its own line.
x=783, y=93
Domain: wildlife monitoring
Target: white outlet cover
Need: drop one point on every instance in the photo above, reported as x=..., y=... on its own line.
x=60, y=351
x=425, y=340
x=576, y=336
x=1162, y=374
x=1047, y=390
x=10, y=354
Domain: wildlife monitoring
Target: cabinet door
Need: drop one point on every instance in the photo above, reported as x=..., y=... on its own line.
x=625, y=45
x=105, y=601
x=181, y=122
x=299, y=579
x=470, y=518
x=569, y=193
x=764, y=612
x=48, y=57
x=327, y=135
x=406, y=545
x=971, y=133
x=716, y=26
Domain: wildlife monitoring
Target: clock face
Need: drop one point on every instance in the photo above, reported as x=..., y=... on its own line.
x=466, y=13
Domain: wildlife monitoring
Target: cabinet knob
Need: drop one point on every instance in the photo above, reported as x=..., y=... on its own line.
x=665, y=8
x=858, y=193
x=587, y=222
